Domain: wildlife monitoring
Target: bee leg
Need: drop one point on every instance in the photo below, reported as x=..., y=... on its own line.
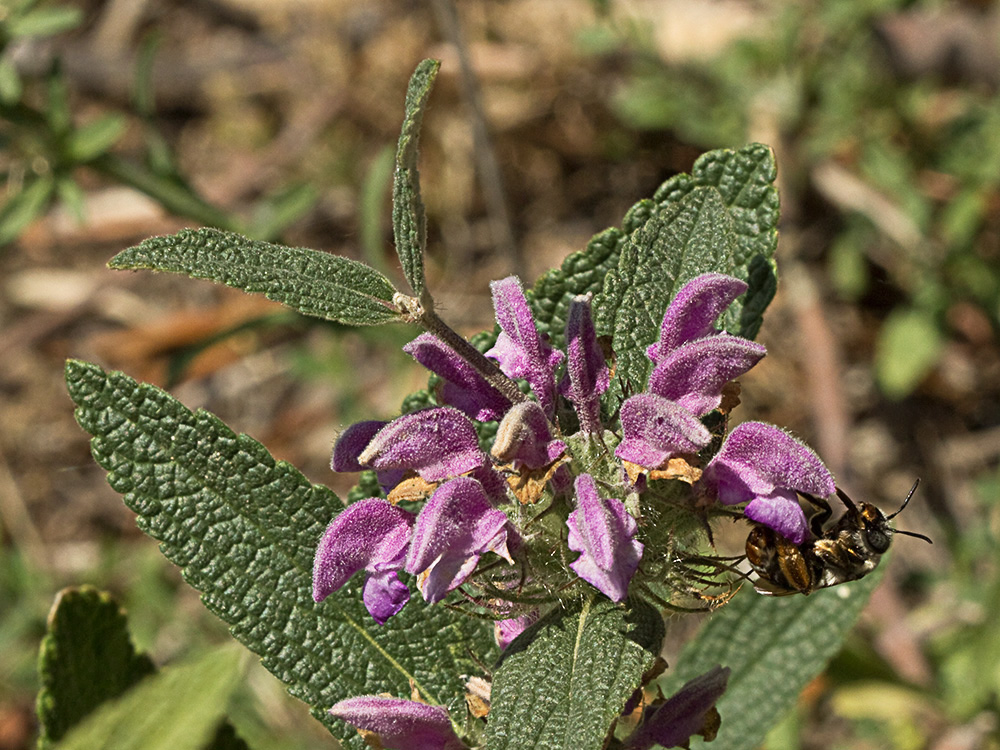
x=821, y=516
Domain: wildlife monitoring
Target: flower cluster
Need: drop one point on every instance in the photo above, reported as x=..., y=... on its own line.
x=553, y=505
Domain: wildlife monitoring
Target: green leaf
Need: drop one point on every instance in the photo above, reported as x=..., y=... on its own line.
x=243, y=528
x=774, y=646
x=564, y=680
x=314, y=283
x=23, y=207
x=273, y=214
x=371, y=209
x=94, y=138
x=86, y=658
x=909, y=344
x=45, y=21
x=745, y=179
x=178, y=709
x=11, y=87
x=686, y=239
x=409, y=222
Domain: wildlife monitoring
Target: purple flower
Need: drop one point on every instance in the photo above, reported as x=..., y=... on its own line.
x=437, y=443
x=603, y=531
x=655, y=428
x=370, y=535
x=456, y=526
x=400, y=724
x=687, y=713
x=694, y=373
x=464, y=387
x=766, y=466
x=520, y=350
x=352, y=442
x=587, y=375
x=506, y=631
x=693, y=311
x=524, y=439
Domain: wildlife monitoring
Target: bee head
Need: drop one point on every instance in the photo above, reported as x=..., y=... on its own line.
x=874, y=524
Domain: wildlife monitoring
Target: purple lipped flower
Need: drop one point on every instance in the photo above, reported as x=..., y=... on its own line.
x=587, y=375
x=693, y=374
x=505, y=631
x=370, y=535
x=437, y=443
x=399, y=723
x=464, y=387
x=655, y=428
x=685, y=714
x=520, y=350
x=456, y=526
x=693, y=311
x=603, y=531
x=352, y=442
x=766, y=466
x=524, y=439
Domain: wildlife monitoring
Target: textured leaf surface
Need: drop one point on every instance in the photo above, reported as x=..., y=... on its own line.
x=562, y=682
x=680, y=242
x=243, y=528
x=178, y=709
x=745, y=179
x=86, y=658
x=774, y=646
x=409, y=222
x=314, y=283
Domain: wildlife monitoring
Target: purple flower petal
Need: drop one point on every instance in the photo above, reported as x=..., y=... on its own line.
x=673, y=723
x=464, y=387
x=384, y=595
x=654, y=429
x=761, y=461
x=602, y=530
x=506, y=631
x=694, y=310
x=758, y=458
x=352, y=442
x=455, y=527
x=524, y=439
x=520, y=351
x=781, y=512
x=694, y=374
x=587, y=375
x=436, y=443
x=370, y=535
x=400, y=724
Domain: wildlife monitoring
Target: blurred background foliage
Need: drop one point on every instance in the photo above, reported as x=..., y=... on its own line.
x=121, y=119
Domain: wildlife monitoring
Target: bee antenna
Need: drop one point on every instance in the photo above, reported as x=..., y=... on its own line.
x=908, y=496
x=913, y=533
x=846, y=500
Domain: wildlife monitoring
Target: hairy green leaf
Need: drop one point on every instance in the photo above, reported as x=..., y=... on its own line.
x=774, y=646
x=687, y=239
x=745, y=179
x=243, y=528
x=86, y=658
x=409, y=222
x=314, y=283
x=564, y=680
x=178, y=709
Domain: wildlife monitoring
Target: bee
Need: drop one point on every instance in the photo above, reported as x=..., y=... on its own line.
x=846, y=551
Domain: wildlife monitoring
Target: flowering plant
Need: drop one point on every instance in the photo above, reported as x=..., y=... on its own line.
x=499, y=575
